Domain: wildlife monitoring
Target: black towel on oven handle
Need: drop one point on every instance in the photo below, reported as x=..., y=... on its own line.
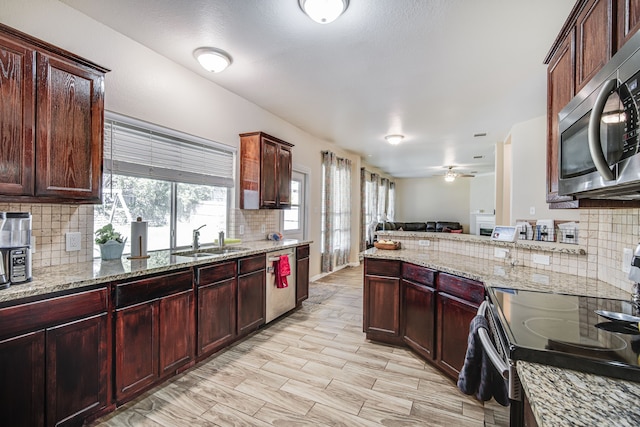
x=478, y=375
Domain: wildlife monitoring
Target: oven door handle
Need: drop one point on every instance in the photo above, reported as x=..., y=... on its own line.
x=595, y=147
x=485, y=339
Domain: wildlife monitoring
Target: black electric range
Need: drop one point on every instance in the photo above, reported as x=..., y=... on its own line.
x=566, y=331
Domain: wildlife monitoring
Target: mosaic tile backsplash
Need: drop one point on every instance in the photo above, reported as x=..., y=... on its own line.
x=604, y=233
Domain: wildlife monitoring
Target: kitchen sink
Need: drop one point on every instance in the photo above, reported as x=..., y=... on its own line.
x=208, y=252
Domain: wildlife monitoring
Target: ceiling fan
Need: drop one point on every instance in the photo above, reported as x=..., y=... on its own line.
x=450, y=175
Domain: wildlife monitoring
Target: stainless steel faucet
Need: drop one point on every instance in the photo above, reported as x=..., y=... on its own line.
x=196, y=238
x=221, y=239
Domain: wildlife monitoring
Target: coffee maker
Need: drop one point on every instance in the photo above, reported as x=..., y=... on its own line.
x=15, y=246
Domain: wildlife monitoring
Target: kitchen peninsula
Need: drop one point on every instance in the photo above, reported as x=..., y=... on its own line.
x=556, y=396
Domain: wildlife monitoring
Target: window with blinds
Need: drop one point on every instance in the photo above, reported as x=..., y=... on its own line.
x=136, y=148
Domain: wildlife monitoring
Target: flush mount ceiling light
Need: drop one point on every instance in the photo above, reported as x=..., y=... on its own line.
x=394, y=139
x=211, y=59
x=323, y=11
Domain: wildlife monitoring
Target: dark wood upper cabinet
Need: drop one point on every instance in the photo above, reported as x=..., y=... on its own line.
x=70, y=129
x=17, y=116
x=265, y=172
x=560, y=90
x=594, y=39
x=51, y=123
x=591, y=35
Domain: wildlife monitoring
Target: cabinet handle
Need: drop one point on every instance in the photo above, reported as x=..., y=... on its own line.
x=595, y=148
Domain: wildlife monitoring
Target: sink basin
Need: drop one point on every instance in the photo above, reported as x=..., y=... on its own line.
x=209, y=252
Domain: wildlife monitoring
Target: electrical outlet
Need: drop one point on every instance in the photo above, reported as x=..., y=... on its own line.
x=532, y=210
x=500, y=253
x=627, y=256
x=541, y=259
x=263, y=228
x=424, y=243
x=241, y=230
x=73, y=240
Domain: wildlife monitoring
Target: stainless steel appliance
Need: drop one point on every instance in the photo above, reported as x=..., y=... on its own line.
x=4, y=281
x=279, y=300
x=15, y=246
x=598, y=153
x=568, y=331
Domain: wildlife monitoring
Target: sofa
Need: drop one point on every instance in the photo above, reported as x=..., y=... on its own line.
x=436, y=226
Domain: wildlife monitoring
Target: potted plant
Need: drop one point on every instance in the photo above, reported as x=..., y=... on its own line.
x=110, y=242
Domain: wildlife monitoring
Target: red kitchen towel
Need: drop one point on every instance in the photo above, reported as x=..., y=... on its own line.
x=283, y=269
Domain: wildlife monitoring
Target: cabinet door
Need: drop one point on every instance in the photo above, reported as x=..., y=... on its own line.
x=136, y=348
x=17, y=118
x=594, y=39
x=284, y=176
x=70, y=101
x=216, y=315
x=454, y=317
x=22, y=380
x=418, y=314
x=251, y=308
x=382, y=307
x=76, y=370
x=302, y=280
x=560, y=90
x=176, y=331
x=628, y=20
x=269, y=174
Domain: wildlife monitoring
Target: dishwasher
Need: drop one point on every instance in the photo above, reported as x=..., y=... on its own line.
x=279, y=300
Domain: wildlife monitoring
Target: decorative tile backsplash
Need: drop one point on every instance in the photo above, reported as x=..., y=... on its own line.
x=604, y=233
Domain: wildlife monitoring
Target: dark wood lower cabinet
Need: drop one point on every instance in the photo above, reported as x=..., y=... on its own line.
x=251, y=294
x=454, y=316
x=76, y=370
x=382, y=308
x=418, y=318
x=302, y=274
x=154, y=330
x=136, y=345
x=22, y=363
x=216, y=315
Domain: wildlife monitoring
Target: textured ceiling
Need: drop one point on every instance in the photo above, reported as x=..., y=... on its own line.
x=437, y=71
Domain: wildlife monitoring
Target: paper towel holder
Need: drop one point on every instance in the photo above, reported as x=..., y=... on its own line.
x=140, y=242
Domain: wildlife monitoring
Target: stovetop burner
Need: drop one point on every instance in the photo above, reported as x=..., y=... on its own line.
x=565, y=331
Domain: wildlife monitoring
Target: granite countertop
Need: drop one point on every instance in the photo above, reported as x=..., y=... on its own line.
x=558, y=397
x=52, y=279
x=561, y=397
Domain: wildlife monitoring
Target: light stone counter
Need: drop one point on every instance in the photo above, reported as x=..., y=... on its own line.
x=558, y=397
x=48, y=280
x=561, y=397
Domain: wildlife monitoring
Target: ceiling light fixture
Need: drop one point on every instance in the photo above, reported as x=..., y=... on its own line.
x=212, y=59
x=394, y=139
x=450, y=176
x=323, y=11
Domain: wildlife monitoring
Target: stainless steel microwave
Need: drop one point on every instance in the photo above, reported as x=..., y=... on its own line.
x=598, y=152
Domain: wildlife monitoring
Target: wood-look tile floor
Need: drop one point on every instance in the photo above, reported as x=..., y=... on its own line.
x=313, y=368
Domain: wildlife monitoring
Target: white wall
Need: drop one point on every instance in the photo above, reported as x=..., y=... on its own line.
x=528, y=161
x=482, y=193
x=147, y=86
x=433, y=199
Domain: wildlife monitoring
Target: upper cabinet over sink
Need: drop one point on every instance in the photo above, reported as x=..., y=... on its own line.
x=51, y=123
x=265, y=172
x=593, y=32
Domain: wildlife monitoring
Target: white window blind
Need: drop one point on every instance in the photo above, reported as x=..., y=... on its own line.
x=132, y=147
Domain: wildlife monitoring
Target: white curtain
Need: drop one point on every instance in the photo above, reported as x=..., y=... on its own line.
x=382, y=199
x=391, y=205
x=336, y=211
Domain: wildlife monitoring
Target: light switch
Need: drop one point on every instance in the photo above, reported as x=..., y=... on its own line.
x=73, y=241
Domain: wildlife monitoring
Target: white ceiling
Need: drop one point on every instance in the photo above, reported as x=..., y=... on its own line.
x=437, y=71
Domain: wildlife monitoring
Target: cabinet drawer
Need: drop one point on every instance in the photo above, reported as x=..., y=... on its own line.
x=381, y=267
x=150, y=288
x=302, y=252
x=418, y=274
x=253, y=263
x=41, y=314
x=216, y=273
x=466, y=289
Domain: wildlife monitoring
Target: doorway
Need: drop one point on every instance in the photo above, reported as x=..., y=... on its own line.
x=293, y=220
